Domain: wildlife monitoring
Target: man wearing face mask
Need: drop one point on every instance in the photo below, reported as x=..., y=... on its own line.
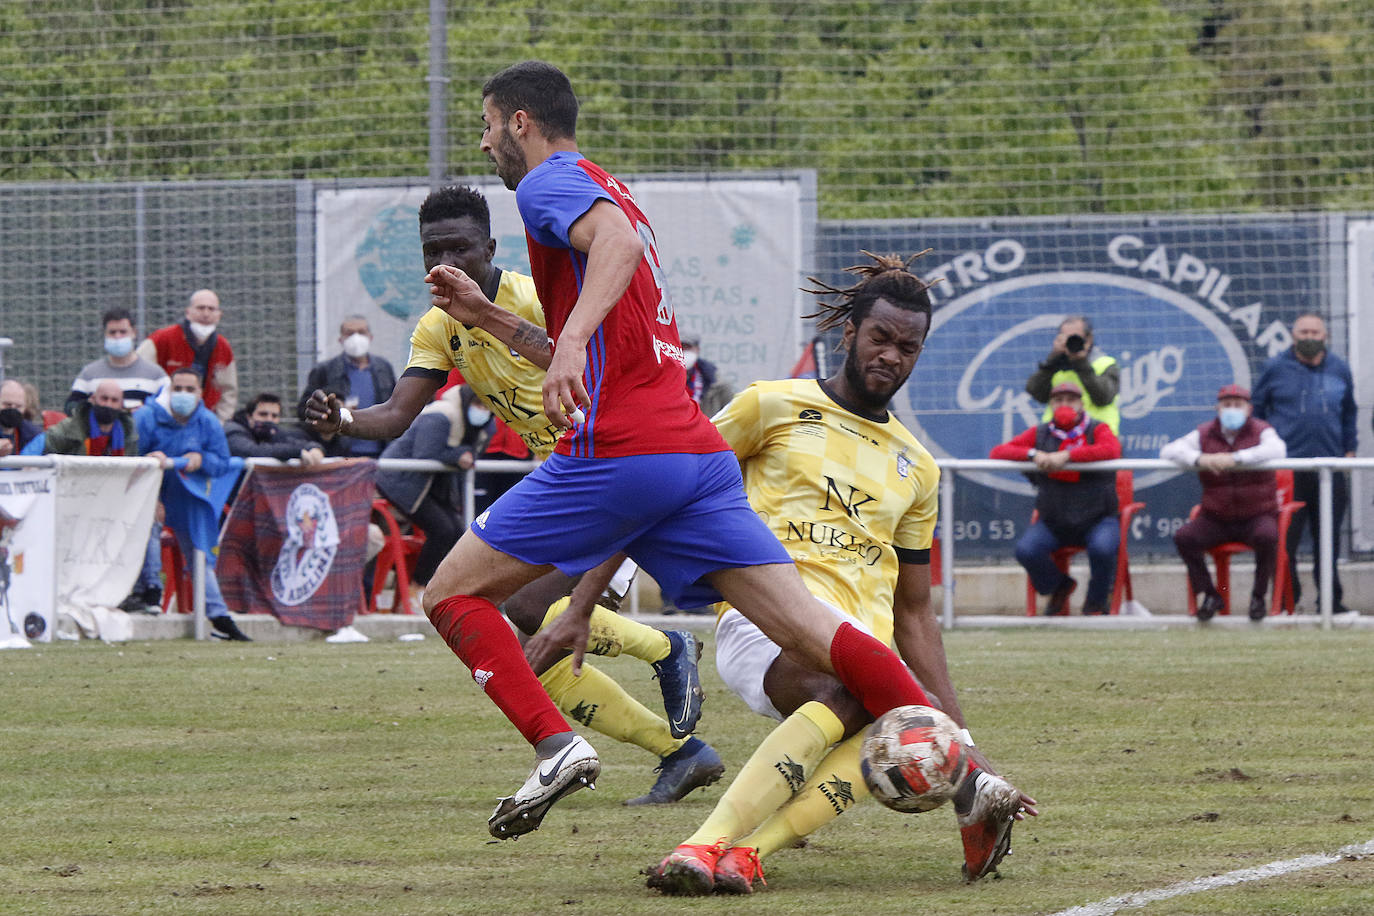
x=99, y=425
x=138, y=378
x=1236, y=506
x=1308, y=394
x=195, y=343
x=256, y=432
x=15, y=431
x=1077, y=508
x=359, y=379
x=703, y=382
x=176, y=424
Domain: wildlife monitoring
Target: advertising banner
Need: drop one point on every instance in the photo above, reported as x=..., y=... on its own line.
x=1183, y=306
x=27, y=570
x=105, y=511
x=731, y=250
x=296, y=541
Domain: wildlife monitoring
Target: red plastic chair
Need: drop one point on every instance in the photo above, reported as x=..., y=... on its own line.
x=1282, y=599
x=52, y=417
x=178, y=575
x=1121, y=587
x=397, y=555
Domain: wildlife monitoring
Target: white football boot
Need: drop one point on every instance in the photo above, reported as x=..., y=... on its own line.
x=573, y=768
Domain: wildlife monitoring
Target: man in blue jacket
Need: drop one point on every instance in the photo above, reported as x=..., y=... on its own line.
x=177, y=425
x=1308, y=395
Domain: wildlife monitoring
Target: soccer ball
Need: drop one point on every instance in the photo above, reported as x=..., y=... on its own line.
x=913, y=759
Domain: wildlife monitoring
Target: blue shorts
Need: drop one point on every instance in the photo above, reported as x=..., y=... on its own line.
x=679, y=516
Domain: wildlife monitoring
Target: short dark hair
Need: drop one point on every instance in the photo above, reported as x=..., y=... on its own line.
x=266, y=397
x=541, y=89
x=454, y=202
x=118, y=313
x=188, y=370
x=885, y=277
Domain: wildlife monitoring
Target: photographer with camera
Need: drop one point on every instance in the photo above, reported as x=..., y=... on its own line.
x=1073, y=359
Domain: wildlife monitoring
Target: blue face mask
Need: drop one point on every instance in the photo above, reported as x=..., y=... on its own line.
x=1232, y=418
x=183, y=403
x=119, y=347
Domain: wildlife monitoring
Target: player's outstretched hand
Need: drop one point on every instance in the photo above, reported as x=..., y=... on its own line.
x=457, y=294
x=568, y=630
x=1027, y=808
x=322, y=412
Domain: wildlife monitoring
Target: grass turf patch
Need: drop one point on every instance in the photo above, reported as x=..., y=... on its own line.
x=312, y=778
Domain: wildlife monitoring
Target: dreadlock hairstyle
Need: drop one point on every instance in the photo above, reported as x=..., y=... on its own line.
x=886, y=278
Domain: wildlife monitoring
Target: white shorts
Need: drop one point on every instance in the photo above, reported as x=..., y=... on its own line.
x=744, y=655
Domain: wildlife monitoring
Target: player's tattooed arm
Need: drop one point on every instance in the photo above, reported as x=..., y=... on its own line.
x=460, y=296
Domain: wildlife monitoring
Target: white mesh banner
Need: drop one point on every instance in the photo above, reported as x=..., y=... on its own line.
x=732, y=253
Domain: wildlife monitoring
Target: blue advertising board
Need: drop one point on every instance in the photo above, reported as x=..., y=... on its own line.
x=1184, y=307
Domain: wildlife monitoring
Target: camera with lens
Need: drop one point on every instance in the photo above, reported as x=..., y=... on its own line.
x=1075, y=344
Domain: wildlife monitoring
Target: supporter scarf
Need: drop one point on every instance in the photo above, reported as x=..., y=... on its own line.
x=1069, y=435
x=201, y=352
x=97, y=443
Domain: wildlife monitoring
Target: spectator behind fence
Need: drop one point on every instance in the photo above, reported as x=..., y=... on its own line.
x=453, y=430
x=99, y=425
x=176, y=424
x=15, y=431
x=1308, y=394
x=138, y=378
x=195, y=343
x=1077, y=508
x=256, y=432
x=1073, y=358
x=359, y=378
x=1236, y=505
x=703, y=379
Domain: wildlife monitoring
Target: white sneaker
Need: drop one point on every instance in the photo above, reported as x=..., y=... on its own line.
x=574, y=767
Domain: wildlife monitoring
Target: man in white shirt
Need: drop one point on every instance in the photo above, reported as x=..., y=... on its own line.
x=1236, y=505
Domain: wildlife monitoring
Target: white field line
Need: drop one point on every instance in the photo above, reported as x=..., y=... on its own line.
x=1197, y=885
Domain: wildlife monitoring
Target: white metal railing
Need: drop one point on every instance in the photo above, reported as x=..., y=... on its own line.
x=1324, y=467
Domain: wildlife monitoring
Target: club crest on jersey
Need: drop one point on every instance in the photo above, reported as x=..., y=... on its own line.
x=809, y=414
x=903, y=464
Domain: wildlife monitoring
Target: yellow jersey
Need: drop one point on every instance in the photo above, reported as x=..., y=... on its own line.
x=844, y=494
x=509, y=383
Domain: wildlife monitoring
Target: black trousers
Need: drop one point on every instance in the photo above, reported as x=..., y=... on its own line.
x=1305, y=487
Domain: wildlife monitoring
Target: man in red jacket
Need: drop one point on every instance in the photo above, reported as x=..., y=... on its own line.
x=1236, y=506
x=1077, y=508
x=195, y=343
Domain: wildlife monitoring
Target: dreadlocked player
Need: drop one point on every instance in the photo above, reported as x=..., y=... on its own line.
x=853, y=497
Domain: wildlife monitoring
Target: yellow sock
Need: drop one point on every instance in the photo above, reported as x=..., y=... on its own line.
x=598, y=702
x=612, y=634
x=836, y=785
x=775, y=771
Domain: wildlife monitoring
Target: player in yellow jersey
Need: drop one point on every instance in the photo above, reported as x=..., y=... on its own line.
x=853, y=497
x=503, y=361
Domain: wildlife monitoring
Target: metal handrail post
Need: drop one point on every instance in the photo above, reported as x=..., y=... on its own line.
x=198, y=593
x=1326, y=546
x=947, y=547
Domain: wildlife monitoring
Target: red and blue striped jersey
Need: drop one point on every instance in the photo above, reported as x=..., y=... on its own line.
x=634, y=376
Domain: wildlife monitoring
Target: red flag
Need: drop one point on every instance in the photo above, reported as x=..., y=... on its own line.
x=296, y=543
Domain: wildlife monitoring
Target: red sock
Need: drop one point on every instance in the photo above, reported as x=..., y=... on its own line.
x=873, y=672
x=477, y=633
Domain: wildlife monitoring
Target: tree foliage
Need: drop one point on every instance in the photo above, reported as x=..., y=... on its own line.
x=934, y=108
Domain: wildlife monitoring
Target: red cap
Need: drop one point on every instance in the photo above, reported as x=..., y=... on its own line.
x=1233, y=391
x=1066, y=388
